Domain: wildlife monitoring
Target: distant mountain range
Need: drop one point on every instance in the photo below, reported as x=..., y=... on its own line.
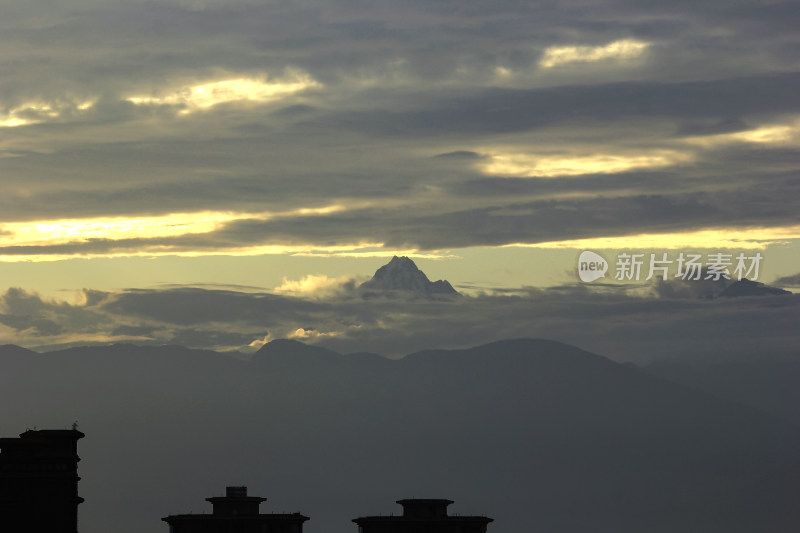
x=402, y=275
x=539, y=435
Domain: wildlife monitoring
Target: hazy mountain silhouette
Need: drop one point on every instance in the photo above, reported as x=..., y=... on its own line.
x=537, y=434
x=746, y=287
x=766, y=381
x=401, y=274
x=288, y=354
x=291, y=350
x=9, y=351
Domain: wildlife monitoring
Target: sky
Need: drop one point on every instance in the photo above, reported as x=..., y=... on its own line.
x=222, y=173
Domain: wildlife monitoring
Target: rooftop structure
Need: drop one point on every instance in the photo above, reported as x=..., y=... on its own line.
x=423, y=515
x=236, y=511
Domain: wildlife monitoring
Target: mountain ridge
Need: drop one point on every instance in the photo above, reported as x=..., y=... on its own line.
x=542, y=434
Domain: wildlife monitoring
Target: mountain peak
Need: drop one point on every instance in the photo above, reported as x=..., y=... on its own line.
x=402, y=274
x=746, y=287
x=403, y=261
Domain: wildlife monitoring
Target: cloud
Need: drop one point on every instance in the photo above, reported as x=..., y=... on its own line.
x=526, y=165
x=460, y=154
x=723, y=238
x=243, y=128
x=727, y=125
x=316, y=285
x=32, y=317
x=494, y=110
x=622, y=50
x=211, y=93
x=403, y=166
x=736, y=214
x=623, y=322
x=312, y=334
x=769, y=134
x=788, y=281
x=29, y=113
x=93, y=318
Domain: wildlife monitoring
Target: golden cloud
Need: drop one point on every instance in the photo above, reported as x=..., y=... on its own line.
x=38, y=112
x=530, y=165
x=622, y=50
x=311, y=284
x=718, y=238
x=777, y=134
x=208, y=94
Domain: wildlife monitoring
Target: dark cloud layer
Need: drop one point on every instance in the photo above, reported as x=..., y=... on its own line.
x=409, y=104
x=788, y=281
x=499, y=111
x=506, y=219
x=674, y=317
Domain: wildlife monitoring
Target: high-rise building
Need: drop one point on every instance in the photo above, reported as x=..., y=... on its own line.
x=39, y=481
x=423, y=516
x=236, y=512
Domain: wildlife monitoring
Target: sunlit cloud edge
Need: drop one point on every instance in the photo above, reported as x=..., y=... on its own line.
x=728, y=238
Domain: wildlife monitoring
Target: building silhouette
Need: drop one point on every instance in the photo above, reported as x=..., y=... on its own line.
x=39, y=481
x=39, y=493
x=236, y=512
x=423, y=516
